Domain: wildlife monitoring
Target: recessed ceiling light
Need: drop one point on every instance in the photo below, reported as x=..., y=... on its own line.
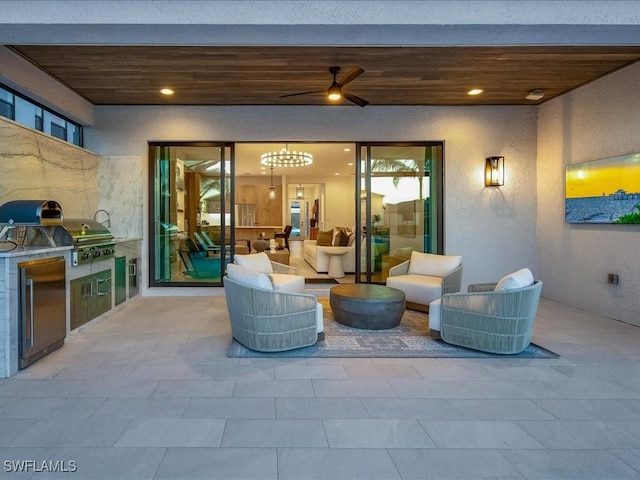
x=263, y=173
x=347, y=149
x=350, y=164
x=166, y=91
x=475, y=91
x=535, y=94
x=336, y=173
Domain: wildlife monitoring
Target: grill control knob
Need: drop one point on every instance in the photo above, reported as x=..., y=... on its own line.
x=96, y=254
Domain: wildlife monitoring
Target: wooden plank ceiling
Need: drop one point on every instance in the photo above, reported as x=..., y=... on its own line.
x=133, y=75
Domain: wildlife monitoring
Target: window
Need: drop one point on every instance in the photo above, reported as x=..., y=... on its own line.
x=27, y=112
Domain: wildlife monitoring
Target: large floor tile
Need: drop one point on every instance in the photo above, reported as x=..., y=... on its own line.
x=172, y=432
x=410, y=408
x=72, y=432
x=303, y=371
x=353, y=388
x=452, y=464
x=381, y=371
x=335, y=464
x=17, y=387
x=11, y=429
x=219, y=464
x=499, y=409
x=324, y=407
x=137, y=407
x=588, y=409
x=376, y=433
x=193, y=388
x=51, y=407
x=581, y=434
x=478, y=434
x=569, y=465
x=274, y=433
x=108, y=463
x=202, y=407
x=273, y=388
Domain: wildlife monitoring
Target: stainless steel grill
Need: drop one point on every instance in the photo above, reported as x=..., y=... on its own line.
x=33, y=223
x=91, y=240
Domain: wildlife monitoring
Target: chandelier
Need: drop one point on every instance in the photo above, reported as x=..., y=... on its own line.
x=286, y=158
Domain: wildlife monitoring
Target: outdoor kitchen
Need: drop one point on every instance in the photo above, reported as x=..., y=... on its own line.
x=67, y=260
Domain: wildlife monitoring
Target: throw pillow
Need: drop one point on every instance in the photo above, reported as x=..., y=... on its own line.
x=433, y=265
x=325, y=238
x=257, y=261
x=249, y=277
x=344, y=238
x=520, y=279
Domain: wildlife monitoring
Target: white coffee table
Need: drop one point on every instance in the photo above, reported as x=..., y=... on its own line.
x=336, y=269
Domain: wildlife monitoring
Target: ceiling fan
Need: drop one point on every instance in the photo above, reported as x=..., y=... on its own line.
x=335, y=92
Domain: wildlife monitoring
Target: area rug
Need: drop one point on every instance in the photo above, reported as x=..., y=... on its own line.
x=409, y=340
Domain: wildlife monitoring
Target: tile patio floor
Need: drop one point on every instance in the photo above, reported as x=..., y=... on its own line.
x=148, y=393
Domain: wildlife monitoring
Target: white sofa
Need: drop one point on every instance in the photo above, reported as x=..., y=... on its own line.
x=316, y=256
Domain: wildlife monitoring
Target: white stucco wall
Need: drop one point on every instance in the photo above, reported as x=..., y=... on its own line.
x=599, y=120
x=492, y=228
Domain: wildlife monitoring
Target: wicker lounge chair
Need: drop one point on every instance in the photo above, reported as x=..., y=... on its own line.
x=488, y=320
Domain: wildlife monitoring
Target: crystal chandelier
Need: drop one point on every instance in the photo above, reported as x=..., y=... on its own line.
x=286, y=158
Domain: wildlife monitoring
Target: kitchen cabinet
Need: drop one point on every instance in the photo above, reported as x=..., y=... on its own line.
x=90, y=297
x=245, y=194
x=120, y=279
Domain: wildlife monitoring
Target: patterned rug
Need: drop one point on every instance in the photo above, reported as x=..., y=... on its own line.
x=409, y=340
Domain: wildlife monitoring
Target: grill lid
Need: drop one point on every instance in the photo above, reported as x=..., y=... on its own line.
x=75, y=231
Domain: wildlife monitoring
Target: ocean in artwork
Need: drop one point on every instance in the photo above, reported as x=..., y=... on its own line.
x=601, y=209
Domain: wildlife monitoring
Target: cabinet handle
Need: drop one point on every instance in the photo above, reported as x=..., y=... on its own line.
x=100, y=281
x=31, y=332
x=87, y=289
x=133, y=269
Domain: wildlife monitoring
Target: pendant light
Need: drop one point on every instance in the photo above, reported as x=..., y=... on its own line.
x=272, y=188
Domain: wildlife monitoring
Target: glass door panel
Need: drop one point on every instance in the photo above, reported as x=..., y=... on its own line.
x=190, y=212
x=400, y=205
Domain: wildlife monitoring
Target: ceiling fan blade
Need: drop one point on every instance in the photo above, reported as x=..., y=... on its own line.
x=303, y=93
x=357, y=100
x=351, y=75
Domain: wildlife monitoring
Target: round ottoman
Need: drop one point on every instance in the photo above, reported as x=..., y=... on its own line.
x=362, y=305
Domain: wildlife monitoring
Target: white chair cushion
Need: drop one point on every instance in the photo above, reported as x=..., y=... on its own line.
x=434, y=315
x=256, y=261
x=435, y=265
x=319, y=318
x=283, y=282
x=249, y=277
x=418, y=289
x=520, y=279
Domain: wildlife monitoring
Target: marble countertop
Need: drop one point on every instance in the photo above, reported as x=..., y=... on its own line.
x=127, y=239
x=26, y=251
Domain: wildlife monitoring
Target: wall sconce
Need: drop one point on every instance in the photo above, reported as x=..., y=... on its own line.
x=494, y=172
x=299, y=191
x=384, y=203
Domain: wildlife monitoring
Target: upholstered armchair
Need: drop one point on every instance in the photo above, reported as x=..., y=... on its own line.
x=268, y=320
x=425, y=277
x=283, y=277
x=491, y=317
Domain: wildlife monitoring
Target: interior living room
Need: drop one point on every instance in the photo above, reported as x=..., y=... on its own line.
x=148, y=387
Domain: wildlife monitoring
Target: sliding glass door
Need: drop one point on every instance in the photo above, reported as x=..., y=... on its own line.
x=399, y=206
x=190, y=213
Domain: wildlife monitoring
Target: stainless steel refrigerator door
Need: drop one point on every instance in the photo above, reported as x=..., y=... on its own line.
x=43, y=305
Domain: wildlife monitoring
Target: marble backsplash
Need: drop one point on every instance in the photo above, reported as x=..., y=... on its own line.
x=120, y=186
x=37, y=166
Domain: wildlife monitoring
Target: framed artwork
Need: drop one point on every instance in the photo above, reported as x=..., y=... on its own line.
x=603, y=191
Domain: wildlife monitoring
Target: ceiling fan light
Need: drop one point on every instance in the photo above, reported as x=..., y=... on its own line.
x=334, y=92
